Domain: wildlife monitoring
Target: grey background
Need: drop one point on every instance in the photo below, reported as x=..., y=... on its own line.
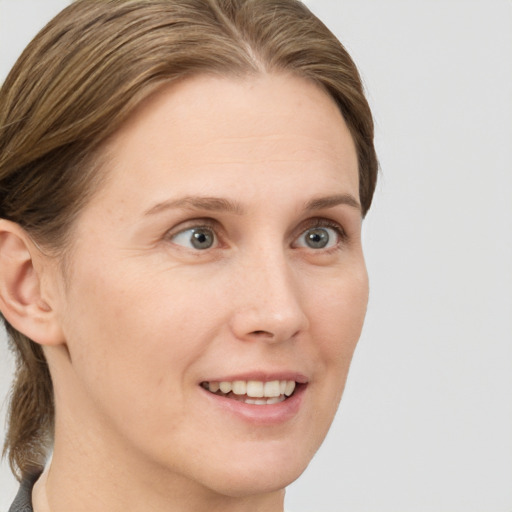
x=426, y=421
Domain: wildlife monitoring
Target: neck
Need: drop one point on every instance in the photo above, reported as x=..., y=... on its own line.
x=39, y=495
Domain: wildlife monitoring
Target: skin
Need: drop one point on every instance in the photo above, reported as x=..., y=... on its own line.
x=141, y=317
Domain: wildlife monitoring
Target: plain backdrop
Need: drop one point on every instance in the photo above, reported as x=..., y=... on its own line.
x=426, y=421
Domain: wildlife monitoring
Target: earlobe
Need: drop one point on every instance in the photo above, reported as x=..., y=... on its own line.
x=21, y=299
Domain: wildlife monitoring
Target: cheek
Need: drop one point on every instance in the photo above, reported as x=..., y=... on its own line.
x=106, y=328
x=337, y=316
x=132, y=330
x=340, y=313
x=338, y=321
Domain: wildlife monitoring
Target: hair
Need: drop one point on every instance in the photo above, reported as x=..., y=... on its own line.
x=81, y=77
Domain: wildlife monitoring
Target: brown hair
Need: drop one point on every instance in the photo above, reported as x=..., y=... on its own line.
x=80, y=78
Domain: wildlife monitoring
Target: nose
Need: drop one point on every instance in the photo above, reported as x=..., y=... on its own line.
x=268, y=303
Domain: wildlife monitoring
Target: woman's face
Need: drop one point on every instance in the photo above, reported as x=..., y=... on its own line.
x=224, y=249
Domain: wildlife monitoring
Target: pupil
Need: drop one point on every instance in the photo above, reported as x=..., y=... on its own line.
x=202, y=239
x=317, y=238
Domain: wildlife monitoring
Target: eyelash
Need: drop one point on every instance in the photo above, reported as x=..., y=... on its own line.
x=327, y=223
x=208, y=224
x=323, y=223
x=314, y=223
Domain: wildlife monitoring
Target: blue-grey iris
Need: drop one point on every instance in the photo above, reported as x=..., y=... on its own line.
x=317, y=238
x=202, y=238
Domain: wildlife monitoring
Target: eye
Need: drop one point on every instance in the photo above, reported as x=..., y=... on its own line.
x=319, y=237
x=199, y=238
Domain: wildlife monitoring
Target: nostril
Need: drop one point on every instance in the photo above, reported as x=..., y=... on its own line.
x=263, y=333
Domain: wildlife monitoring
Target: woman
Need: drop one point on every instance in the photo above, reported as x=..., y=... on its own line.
x=181, y=271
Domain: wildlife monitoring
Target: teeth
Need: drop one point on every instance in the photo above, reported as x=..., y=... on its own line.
x=272, y=388
x=264, y=401
x=255, y=388
x=215, y=386
x=239, y=387
x=225, y=387
x=275, y=400
x=276, y=390
x=290, y=387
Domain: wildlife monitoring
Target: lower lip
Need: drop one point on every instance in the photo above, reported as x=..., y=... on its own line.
x=273, y=414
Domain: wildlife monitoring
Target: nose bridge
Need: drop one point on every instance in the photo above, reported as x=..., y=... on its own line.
x=269, y=297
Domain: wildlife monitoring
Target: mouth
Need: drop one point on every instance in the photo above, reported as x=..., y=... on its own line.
x=253, y=392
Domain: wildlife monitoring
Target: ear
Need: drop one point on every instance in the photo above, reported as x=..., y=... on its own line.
x=22, y=298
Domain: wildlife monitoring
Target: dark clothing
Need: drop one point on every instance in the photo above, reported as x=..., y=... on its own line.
x=23, y=500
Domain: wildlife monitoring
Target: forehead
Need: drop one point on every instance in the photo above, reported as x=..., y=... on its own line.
x=207, y=126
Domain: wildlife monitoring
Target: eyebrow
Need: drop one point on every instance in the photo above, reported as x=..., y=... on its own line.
x=219, y=204
x=322, y=203
x=214, y=204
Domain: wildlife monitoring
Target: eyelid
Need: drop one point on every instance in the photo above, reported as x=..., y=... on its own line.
x=322, y=222
x=214, y=225
x=204, y=223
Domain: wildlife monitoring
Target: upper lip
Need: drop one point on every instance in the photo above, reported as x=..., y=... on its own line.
x=263, y=376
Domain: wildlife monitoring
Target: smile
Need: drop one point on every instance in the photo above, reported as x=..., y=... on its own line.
x=253, y=392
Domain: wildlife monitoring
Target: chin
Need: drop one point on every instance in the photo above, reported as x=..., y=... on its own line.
x=263, y=469
x=244, y=482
